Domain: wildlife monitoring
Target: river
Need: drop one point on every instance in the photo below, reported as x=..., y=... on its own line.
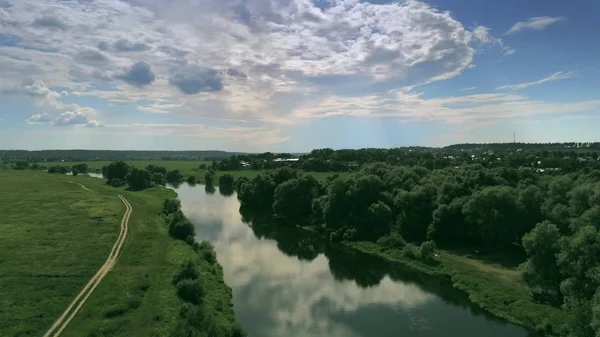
x=286, y=283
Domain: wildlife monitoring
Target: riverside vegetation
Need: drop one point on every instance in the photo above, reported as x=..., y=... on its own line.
x=160, y=286
x=449, y=222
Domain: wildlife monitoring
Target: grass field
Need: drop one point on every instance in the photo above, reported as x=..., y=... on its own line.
x=497, y=289
x=56, y=235
x=187, y=168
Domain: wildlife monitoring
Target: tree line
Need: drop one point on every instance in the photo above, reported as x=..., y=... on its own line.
x=548, y=221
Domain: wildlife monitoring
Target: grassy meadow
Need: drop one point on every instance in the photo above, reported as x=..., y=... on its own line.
x=187, y=168
x=55, y=237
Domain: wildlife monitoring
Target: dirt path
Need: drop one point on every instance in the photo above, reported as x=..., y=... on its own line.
x=82, y=185
x=62, y=322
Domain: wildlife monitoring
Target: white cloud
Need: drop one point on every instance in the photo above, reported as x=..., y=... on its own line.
x=278, y=280
x=508, y=51
x=279, y=46
x=467, y=89
x=76, y=118
x=535, y=23
x=560, y=75
x=39, y=118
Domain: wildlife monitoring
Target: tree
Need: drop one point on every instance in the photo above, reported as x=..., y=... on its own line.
x=158, y=178
x=209, y=177
x=115, y=170
x=542, y=244
x=74, y=172
x=81, y=168
x=174, y=176
x=226, y=180
x=293, y=199
x=191, y=180
x=138, y=179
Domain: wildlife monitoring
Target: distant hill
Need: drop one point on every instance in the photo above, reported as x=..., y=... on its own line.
x=92, y=155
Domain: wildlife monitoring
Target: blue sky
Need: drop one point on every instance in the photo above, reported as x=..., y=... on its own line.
x=293, y=75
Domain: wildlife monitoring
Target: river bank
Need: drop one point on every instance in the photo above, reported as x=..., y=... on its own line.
x=497, y=290
x=70, y=230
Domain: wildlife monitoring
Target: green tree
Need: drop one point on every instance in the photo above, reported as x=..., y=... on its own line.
x=542, y=245
x=209, y=177
x=226, y=180
x=158, y=178
x=115, y=170
x=174, y=176
x=138, y=179
x=293, y=199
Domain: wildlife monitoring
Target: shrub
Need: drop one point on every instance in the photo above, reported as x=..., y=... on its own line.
x=171, y=205
x=74, y=172
x=116, y=182
x=191, y=180
x=427, y=250
x=350, y=234
x=209, y=256
x=393, y=240
x=182, y=229
x=411, y=251
x=191, y=291
x=187, y=271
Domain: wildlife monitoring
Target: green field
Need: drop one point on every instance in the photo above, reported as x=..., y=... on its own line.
x=55, y=237
x=187, y=168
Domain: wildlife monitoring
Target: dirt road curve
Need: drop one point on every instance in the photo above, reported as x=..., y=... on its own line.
x=62, y=322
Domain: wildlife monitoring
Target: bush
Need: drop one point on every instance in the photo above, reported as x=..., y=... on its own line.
x=187, y=271
x=174, y=176
x=116, y=182
x=74, y=172
x=191, y=180
x=191, y=291
x=411, y=251
x=209, y=256
x=182, y=229
x=171, y=205
x=393, y=241
x=350, y=234
x=427, y=250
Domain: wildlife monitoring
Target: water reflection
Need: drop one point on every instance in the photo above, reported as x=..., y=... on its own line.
x=287, y=282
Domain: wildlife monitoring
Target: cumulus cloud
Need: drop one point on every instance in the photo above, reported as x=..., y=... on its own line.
x=50, y=22
x=535, y=23
x=139, y=75
x=75, y=118
x=560, y=75
x=30, y=87
x=194, y=80
x=92, y=57
x=123, y=45
x=39, y=118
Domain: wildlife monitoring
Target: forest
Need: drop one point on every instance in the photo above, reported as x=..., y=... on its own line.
x=548, y=220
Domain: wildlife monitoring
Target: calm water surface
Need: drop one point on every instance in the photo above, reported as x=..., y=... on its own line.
x=286, y=283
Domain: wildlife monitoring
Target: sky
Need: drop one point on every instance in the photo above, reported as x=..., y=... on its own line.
x=293, y=75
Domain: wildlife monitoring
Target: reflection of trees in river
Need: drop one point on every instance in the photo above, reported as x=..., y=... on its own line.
x=209, y=189
x=349, y=264
x=292, y=241
x=226, y=191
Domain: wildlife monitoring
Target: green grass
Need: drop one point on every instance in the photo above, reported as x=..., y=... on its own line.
x=497, y=289
x=55, y=237
x=187, y=168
